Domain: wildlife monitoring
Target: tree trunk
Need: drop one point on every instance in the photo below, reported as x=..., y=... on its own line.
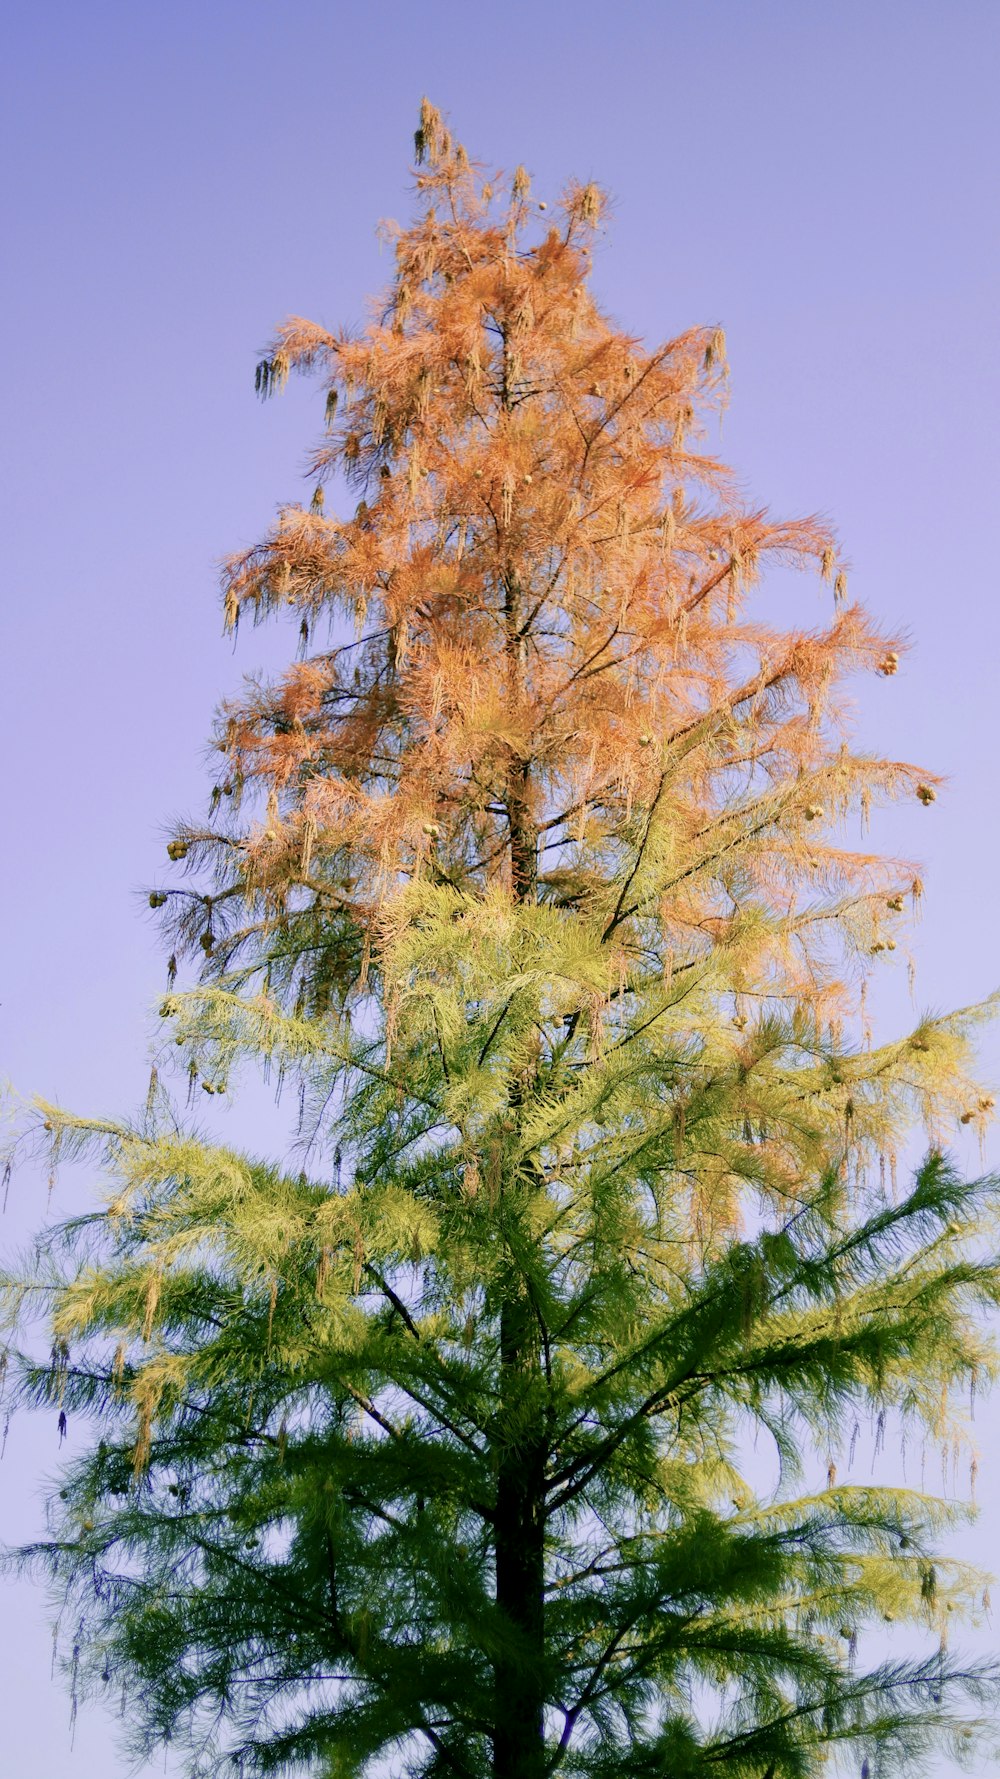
x=518, y=1739
x=519, y=1674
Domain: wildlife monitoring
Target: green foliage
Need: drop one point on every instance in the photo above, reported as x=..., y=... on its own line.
x=286, y=1531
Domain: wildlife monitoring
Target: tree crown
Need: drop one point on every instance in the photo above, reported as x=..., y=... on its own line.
x=538, y=886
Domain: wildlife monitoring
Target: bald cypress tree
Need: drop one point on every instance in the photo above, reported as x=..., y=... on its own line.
x=534, y=875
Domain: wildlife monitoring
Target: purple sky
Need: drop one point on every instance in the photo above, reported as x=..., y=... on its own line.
x=822, y=179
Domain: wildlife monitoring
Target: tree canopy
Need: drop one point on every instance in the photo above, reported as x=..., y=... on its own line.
x=536, y=876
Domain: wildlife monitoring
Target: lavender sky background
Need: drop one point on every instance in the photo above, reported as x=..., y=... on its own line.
x=820, y=178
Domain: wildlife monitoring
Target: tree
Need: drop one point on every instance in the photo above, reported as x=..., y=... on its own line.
x=436, y=1442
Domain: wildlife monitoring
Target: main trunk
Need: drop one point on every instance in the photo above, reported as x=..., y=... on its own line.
x=519, y=1673
x=518, y=1740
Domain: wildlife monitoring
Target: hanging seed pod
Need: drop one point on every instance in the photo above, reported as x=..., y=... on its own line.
x=589, y=203
x=888, y=665
x=330, y=410
x=646, y=740
x=827, y=562
x=157, y=898
x=715, y=351
x=425, y=135
x=682, y=420
x=177, y=849
x=318, y=501
x=927, y=794
x=814, y=812
x=271, y=375
x=431, y=829
x=895, y=903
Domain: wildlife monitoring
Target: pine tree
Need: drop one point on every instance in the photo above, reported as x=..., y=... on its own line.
x=437, y=1444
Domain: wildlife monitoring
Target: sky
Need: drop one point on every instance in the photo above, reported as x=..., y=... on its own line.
x=821, y=179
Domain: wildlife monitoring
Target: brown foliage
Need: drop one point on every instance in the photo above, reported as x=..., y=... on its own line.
x=555, y=679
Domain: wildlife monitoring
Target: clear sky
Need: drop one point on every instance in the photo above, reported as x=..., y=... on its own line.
x=820, y=176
